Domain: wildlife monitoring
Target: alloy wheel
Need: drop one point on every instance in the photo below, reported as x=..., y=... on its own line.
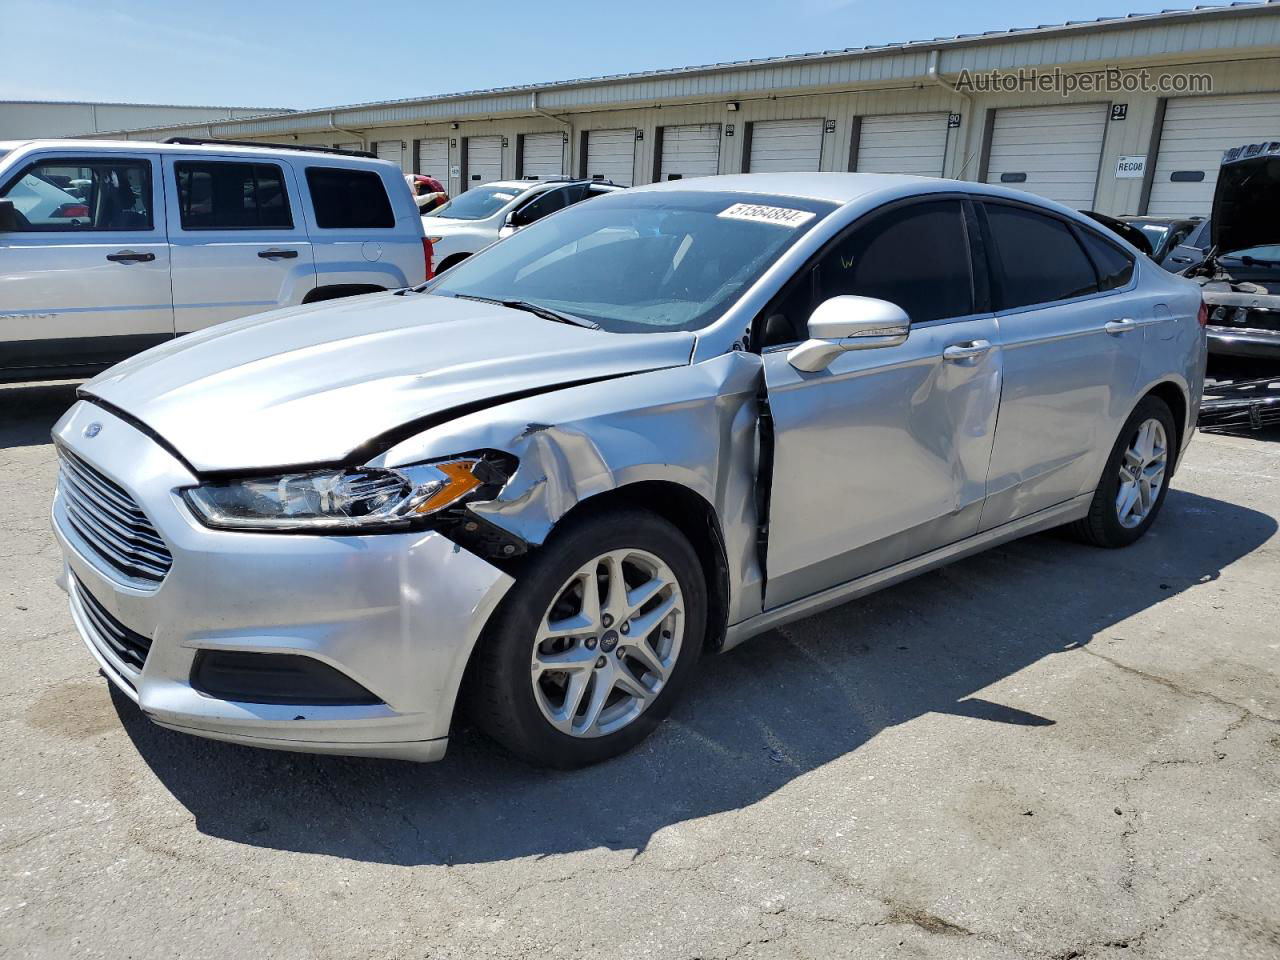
x=607, y=644
x=1142, y=473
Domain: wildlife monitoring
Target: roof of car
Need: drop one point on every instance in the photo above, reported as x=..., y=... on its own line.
x=1152, y=219
x=838, y=188
x=95, y=146
x=552, y=182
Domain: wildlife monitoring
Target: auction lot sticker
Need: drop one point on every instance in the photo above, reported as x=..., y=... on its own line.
x=761, y=213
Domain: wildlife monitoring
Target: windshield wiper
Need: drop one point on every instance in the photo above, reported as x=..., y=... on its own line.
x=546, y=313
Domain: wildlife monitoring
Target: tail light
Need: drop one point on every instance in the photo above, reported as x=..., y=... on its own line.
x=428, y=253
x=72, y=210
x=1203, y=316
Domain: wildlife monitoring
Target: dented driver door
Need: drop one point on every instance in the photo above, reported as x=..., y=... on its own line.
x=883, y=455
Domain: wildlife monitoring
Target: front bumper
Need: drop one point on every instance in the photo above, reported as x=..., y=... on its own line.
x=1244, y=342
x=397, y=613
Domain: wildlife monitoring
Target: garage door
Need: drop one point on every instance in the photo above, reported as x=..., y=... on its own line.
x=543, y=156
x=1196, y=131
x=690, y=151
x=611, y=155
x=908, y=143
x=786, y=146
x=1050, y=151
x=388, y=150
x=433, y=158
x=484, y=161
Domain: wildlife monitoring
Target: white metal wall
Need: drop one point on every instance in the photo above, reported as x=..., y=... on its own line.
x=786, y=146
x=611, y=155
x=909, y=143
x=350, y=145
x=1056, y=149
x=1195, y=133
x=966, y=144
x=484, y=161
x=433, y=158
x=543, y=155
x=692, y=150
x=389, y=150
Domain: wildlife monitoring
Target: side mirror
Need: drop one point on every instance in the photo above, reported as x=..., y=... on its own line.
x=8, y=216
x=849, y=323
x=510, y=221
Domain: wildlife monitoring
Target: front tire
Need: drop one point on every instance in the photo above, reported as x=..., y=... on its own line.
x=595, y=641
x=1135, y=480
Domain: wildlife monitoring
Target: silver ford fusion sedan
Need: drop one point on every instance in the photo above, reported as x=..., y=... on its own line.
x=647, y=427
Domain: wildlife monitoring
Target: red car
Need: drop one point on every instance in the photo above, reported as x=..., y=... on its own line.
x=427, y=191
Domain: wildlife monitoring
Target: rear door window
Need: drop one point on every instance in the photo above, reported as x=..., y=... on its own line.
x=349, y=199
x=1036, y=258
x=224, y=195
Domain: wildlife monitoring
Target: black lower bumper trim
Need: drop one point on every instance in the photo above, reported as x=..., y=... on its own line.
x=246, y=677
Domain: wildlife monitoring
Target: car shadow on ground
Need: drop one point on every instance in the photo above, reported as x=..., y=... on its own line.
x=28, y=412
x=761, y=716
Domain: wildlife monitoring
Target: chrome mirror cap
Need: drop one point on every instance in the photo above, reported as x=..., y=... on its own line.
x=849, y=323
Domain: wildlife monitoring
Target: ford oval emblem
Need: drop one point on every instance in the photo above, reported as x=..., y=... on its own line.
x=92, y=430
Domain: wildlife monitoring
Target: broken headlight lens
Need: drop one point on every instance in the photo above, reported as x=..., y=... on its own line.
x=355, y=500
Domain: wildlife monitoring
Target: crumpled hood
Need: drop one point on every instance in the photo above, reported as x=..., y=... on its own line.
x=1247, y=198
x=313, y=384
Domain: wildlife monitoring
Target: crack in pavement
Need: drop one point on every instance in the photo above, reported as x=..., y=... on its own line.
x=1178, y=688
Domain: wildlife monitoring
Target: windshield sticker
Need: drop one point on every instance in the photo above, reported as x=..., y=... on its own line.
x=505, y=196
x=760, y=213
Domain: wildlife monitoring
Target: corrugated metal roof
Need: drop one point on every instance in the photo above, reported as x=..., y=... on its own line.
x=1073, y=41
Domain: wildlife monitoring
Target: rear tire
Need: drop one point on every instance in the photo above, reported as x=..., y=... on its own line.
x=451, y=262
x=562, y=680
x=1134, y=481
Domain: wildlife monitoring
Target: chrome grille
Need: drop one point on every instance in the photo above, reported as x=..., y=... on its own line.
x=129, y=648
x=110, y=521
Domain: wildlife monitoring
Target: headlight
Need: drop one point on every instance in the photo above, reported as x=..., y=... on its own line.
x=342, y=500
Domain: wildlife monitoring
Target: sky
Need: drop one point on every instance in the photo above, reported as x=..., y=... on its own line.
x=285, y=53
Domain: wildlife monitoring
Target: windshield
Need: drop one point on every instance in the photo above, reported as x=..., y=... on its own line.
x=640, y=262
x=478, y=203
x=1155, y=233
x=1269, y=252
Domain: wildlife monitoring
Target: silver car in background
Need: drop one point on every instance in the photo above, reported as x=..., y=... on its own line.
x=646, y=427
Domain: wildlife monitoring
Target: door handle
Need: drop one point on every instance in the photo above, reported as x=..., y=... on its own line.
x=1122, y=326
x=128, y=256
x=959, y=352
x=277, y=254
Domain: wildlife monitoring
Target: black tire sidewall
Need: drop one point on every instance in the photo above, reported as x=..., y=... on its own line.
x=1113, y=532
x=507, y=708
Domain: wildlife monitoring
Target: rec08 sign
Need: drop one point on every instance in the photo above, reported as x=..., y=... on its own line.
x=1131, y=168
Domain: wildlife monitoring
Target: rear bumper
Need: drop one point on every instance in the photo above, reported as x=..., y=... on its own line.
x=398, y=613
x=1244, y=342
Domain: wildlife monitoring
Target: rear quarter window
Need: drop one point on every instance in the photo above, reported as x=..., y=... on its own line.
x=1115, y=267
x=349, y=199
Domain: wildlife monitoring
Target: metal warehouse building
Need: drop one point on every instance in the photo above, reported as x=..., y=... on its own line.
x=1153, y=101
x=24, y=119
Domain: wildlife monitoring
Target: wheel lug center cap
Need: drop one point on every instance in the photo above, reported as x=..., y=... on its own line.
x=608, y=640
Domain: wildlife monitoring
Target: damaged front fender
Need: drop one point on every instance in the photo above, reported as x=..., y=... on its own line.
x=695, y=426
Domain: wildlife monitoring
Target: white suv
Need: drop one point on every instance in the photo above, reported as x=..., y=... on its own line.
x=107, y=248
x=473, y=220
